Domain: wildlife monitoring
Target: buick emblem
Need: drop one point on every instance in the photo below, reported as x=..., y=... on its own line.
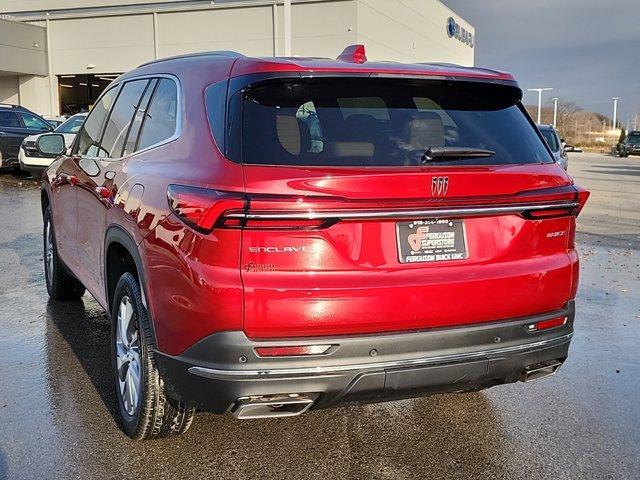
x=439, y=186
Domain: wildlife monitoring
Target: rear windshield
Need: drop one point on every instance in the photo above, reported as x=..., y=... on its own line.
x=551, y=139
x=382, y=122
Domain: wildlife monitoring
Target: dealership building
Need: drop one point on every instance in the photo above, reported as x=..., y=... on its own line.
x=57, y=56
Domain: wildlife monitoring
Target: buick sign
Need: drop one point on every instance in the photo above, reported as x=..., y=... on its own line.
x=454, y=30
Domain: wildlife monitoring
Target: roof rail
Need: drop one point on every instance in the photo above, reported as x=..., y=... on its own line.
x=220, y=53
x=9, y=105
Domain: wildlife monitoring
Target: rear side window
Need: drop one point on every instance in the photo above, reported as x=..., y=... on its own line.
x=120, y=118
x=382, y=122
x=551, y=139
x=88, y=143
x=161, y=118
x=132, y=138
x=9, y=119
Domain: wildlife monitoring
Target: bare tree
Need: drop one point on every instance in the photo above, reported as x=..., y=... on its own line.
x=566, y=112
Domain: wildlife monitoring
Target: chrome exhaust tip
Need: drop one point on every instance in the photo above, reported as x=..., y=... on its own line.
x=540, y=370
x=269, y=406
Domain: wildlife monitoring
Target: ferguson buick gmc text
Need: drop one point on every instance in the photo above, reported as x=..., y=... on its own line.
x=271, y=235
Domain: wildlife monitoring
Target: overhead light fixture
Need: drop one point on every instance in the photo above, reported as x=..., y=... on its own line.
x=36, y=44
x=95, y=85
x=83, y=84
x=66, y=86
x=91, y=66
x=67, y=76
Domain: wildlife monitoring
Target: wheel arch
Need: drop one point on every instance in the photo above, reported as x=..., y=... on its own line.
x=122, y=255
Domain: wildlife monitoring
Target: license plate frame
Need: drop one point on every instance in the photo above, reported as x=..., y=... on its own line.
x=436, y=240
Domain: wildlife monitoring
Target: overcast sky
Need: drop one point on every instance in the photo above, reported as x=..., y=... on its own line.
x=587, y=50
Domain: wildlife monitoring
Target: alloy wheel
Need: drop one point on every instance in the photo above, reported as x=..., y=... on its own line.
x=128, y=356
x=48, y=253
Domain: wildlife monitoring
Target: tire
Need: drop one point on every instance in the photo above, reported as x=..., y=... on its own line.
x=61, y=285
x=148, y=412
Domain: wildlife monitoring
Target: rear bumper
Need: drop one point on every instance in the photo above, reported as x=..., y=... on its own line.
x=222, y=368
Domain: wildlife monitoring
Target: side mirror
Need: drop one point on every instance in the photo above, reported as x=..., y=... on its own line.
x=51, y=144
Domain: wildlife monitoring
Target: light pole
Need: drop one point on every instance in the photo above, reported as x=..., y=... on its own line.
x=615, y=111
x=555, y=110
x=539, y=90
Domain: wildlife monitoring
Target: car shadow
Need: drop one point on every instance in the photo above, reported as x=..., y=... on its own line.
x=86, y=331
x=629, y=170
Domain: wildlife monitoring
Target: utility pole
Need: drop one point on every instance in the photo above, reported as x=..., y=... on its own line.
x=287, y=28
x=539, y=90
x=555, y=110
x=615, y=111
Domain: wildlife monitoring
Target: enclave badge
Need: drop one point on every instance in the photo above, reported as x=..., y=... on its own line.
x=439, y=186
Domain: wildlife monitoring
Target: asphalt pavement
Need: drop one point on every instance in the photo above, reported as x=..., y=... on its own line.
x=57, y=402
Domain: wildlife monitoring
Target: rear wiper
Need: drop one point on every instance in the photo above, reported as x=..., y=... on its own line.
x=434, y=154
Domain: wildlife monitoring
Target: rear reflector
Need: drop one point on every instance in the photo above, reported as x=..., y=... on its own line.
x=292, y=351
x=202, y=208
x=546, y=324
x=551, y=212
x=286, y=224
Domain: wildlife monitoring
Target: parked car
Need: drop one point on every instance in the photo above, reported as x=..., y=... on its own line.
x=554, y=142
x=34, y=162
x=571, y=148
x=55, y=120
x=423, y=241
x=631, y=144
x=16, y=123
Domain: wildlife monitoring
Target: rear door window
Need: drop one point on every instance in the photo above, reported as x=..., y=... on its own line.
x=120, y=118
x=382, y=122
x=160, y=121
x=134, y=131
x=9, y=119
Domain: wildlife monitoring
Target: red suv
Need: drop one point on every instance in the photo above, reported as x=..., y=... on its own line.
x=271, y=235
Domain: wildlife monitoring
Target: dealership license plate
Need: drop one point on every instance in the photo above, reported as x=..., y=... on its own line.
x=434, y=240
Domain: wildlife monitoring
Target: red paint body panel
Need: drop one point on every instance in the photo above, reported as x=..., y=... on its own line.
x=246, y=66
x=345, y=279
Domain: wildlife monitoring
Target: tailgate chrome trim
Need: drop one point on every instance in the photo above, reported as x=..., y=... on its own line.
x=214, y=373
x=432, y=213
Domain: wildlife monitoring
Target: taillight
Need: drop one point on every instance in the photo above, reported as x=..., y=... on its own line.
x=546, y=324
x=202, y=208
x=583, y=196
x=580, y=194
x=294, y=351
